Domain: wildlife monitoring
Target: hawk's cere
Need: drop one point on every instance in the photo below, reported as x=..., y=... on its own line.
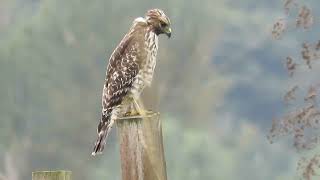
x=130, y=69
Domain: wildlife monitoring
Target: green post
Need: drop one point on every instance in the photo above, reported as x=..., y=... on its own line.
x=51, y=175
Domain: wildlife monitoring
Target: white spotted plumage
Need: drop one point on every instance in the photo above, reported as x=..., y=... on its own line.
x=130, y=69
x=145, y=75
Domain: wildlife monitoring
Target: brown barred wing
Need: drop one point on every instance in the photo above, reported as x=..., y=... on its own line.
x=122, y=69
x=117, y=88
x=113, y=95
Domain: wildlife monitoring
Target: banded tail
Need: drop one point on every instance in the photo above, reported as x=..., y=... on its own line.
x=103, y=130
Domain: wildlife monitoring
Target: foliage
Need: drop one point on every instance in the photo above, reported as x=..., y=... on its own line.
x=303, y=120
x=52, y=64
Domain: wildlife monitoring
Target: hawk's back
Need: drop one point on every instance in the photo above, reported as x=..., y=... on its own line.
x=131, y=65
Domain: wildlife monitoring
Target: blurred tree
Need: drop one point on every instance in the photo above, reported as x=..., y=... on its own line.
x=53, y=55
x=302, y=122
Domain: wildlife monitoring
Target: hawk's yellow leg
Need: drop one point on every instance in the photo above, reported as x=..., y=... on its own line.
x=139, y=107
x=136, y=108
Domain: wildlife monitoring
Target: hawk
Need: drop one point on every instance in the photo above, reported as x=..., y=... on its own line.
x=130, y=70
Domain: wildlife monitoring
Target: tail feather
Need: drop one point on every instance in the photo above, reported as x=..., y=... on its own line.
x=99, y=145
x=104, y=128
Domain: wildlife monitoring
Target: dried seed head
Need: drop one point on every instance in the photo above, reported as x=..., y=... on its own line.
x=312, y=94
x=278, y=28
x=290, y=65
x=305, y=18
x=288, y=4
x=290, y=95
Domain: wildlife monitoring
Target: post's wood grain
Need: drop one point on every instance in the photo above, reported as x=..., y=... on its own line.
x=51, y=175
x=141, y=148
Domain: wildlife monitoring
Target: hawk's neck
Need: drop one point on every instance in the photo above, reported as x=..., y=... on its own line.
x=140, y=20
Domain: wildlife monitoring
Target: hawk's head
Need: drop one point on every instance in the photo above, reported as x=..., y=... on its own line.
x=159, y=22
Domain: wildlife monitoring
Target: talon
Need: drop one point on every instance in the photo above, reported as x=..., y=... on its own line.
x=131, y=112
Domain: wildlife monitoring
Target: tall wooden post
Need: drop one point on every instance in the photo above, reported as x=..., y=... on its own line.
x=141, y=148
x=51, y=175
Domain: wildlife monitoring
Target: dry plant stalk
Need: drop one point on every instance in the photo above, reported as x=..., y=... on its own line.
x=306, y=55
x=303, y=123
x=290, y=95
x=308, y=167
x=289, y=4
x=291, y=66
x=312, y=94
x=318, y=46
x=310, y=53
x=305, y=18
x=278, y=28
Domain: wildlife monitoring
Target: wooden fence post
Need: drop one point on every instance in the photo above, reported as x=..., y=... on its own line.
x=141, y=148
x=51, y=175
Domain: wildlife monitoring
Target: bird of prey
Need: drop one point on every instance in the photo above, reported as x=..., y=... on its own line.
x=130, y=70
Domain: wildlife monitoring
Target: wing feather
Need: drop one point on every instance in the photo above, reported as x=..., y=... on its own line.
x=123, y=67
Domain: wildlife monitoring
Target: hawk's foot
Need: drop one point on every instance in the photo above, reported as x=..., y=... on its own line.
x=143, y=112
x=139, y=107
x=131, y=112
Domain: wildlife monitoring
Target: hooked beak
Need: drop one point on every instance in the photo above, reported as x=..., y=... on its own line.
x=167, y=31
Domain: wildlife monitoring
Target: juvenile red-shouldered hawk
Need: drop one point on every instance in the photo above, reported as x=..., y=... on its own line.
x=130, y=69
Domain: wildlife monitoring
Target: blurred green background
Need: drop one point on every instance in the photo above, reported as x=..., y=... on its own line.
x=218, y=82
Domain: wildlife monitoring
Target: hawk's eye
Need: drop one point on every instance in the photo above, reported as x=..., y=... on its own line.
x=163, y=24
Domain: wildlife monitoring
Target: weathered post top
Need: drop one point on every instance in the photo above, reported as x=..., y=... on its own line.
x=141, y=147
x=51, y=175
